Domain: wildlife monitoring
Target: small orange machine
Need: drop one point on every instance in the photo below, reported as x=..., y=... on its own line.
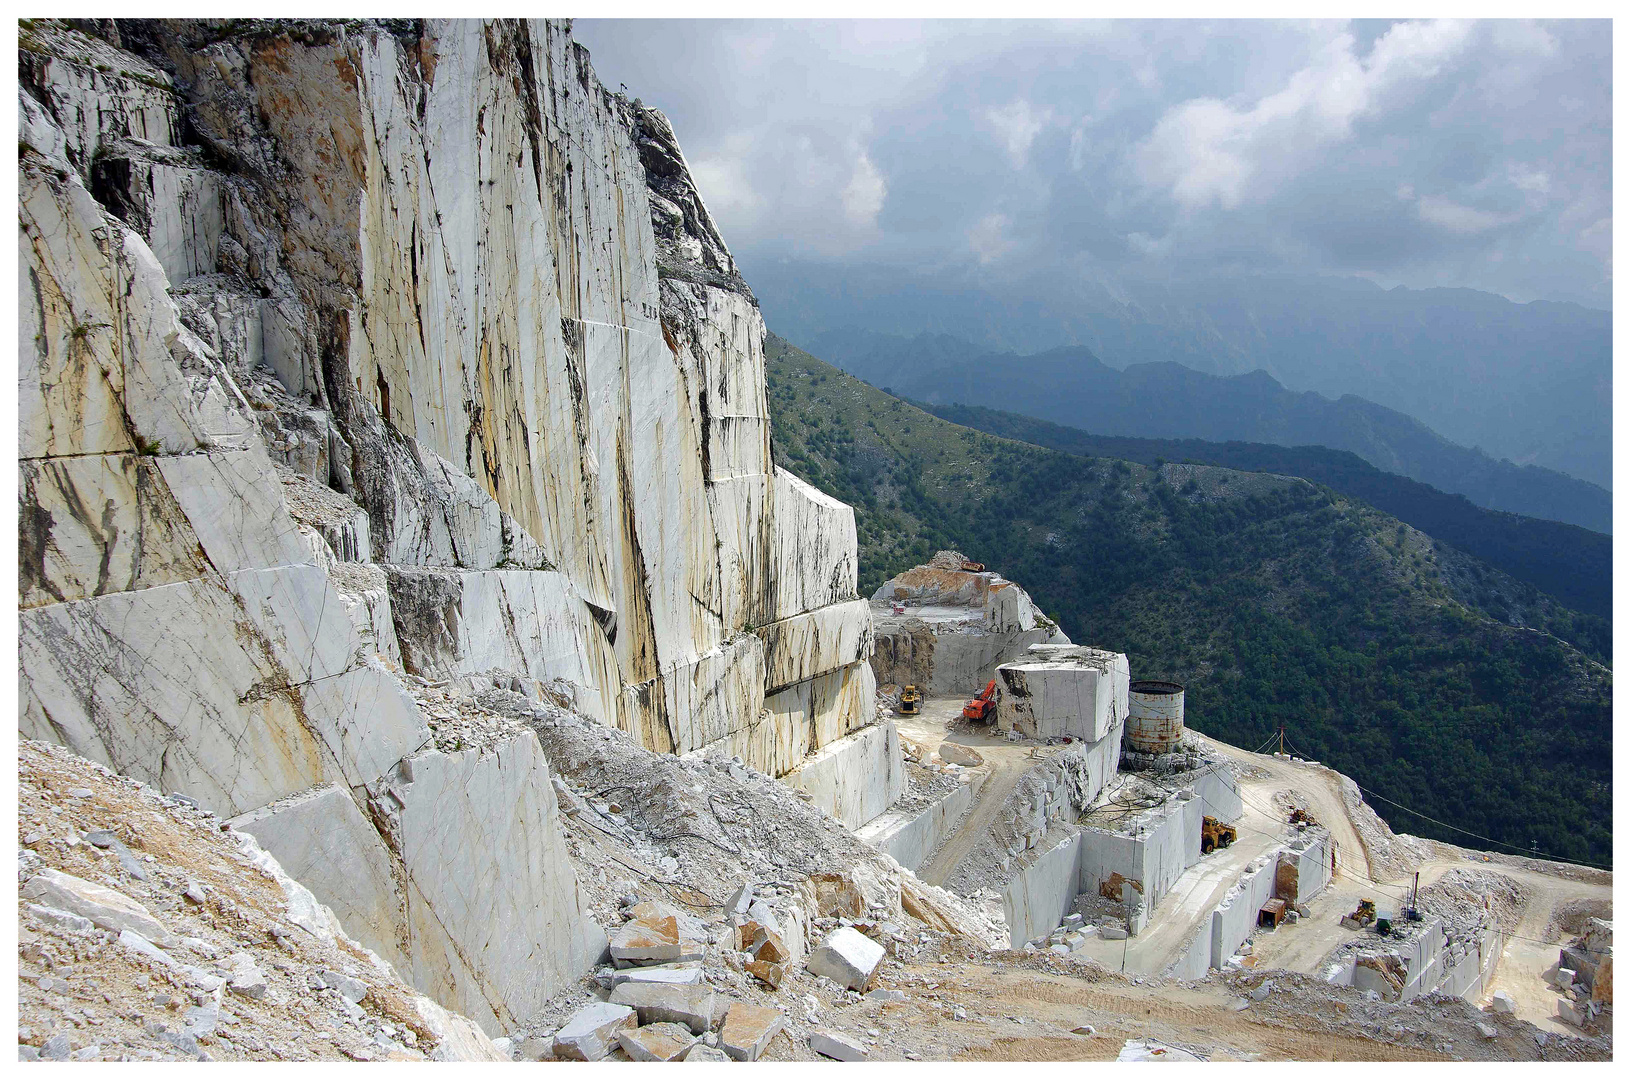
x=983, y=704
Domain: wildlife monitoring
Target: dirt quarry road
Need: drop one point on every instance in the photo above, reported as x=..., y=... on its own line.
x=1005, y=763
x=1528, y=957
x=1267, y=786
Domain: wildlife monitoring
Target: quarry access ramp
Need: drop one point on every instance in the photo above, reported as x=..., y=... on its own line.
x=1006, y=761
x=1264, y=775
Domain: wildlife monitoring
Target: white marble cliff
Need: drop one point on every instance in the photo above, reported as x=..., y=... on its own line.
x=350, y=351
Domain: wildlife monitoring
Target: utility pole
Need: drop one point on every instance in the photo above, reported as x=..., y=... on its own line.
x=1282, y=740
x=1415, y=892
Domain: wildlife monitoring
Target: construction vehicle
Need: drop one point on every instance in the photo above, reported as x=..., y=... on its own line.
x=982, y=705
x=911, y=701
x=1362, y=916
x=1299, y=816
x=1215, y=834
x=975, y=567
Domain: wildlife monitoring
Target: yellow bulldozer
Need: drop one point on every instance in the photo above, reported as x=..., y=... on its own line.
x=1362, y=916
x=911, y=701
x=1215, y=834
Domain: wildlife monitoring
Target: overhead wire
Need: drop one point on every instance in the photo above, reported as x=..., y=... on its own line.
x=1528, y=852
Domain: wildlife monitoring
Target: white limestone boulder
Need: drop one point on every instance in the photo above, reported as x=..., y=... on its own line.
x=748, y=1029
x=657, y=1042
x=592, y=1031
x=659, y=1003
x=837, y=1045
x=107, y=908
x=688, y=973
x=847, y=957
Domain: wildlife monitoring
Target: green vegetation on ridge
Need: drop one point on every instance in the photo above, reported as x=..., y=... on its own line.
x=1274, y=599
x=1574, y=565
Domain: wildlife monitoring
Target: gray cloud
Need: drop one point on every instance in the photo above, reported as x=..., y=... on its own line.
x=1420, y=153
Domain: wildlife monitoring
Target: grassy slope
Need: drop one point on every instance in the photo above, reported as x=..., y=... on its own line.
x=1274, y=599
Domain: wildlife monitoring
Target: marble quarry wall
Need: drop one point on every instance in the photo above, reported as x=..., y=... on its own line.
x=1236, y=915
x=1039, y=896
x=1218, y=791
x=354, y=351
x=911, y=837
x=1223, y=930
x=1149, y=853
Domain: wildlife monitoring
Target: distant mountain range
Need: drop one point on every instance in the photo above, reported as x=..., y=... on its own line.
x=1530, y=383
x=1073, y=387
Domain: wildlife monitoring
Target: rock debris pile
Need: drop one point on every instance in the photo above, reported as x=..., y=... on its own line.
x=146, y=931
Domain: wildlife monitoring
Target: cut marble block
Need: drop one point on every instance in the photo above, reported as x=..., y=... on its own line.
x=100, y=524
x=497, y=923
x=813, y=549
x=302, y=618
x=457, y=622
x=816, y=642
x=814, y=713
x=366, y=720
x=855, y=778
x=234, y=503
x=323, y=841
x=1077, y=691
x=69, y=388
x=699, y=703
x=167, y=685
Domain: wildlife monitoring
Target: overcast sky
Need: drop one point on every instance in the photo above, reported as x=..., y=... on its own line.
x=1417, y=153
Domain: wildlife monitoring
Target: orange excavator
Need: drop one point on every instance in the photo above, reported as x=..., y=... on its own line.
x=983, y=704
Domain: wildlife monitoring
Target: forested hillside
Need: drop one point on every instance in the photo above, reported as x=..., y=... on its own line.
x=1274, y=599
x=1574, y=565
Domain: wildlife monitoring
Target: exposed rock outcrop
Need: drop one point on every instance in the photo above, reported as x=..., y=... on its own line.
x=354, y=351
x=943, y=627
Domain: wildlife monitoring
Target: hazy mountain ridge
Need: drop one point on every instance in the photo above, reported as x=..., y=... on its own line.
x=1074, y=387
x=1527, y=382
x=1273, y=599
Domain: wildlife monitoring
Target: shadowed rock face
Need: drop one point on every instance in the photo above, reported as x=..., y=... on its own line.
x=358, y=351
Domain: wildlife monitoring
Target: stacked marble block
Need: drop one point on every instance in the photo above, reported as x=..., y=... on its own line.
x=1065, y=691
x=1072, y=693
x=193, y=617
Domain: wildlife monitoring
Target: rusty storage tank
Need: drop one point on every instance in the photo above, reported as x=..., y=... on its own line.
x=1155, y=716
